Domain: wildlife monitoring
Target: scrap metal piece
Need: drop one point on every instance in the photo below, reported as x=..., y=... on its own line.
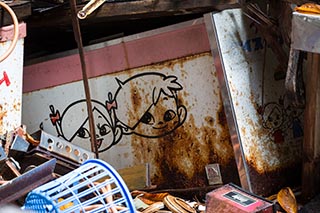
x=306, y=33
x=89, y=8
x=213, y=174
x=78, y=39
x=8, y=166
x=14, y=166
x=64, y=151
x=92, y=5
x=295, y=90
x=3, y=155
x=19, y=144
x=23, y=184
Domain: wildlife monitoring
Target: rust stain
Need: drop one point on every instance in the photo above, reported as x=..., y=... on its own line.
x=126, y=54
x=256, y=155
x=179, y=158
x=17, y=106
x=135, y=96
x=269, y=183
x=2, y=114
x=267, y=178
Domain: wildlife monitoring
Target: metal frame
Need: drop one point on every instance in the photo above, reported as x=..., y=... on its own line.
x=227, y=102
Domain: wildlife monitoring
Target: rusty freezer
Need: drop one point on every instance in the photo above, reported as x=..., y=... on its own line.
x=266, y=132
x=156, y=101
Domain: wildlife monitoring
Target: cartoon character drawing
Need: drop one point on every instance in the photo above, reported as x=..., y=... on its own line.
x=73, y=124
x=294, y=121
x=148, y=105
x=273, y=119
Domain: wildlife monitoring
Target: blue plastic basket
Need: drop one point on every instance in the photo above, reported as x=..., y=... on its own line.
x=93, y=187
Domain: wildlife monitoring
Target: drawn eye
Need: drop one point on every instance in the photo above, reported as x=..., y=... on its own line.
x=83, y=133
x=103, y=130
x=169, y=115
x=147, y=118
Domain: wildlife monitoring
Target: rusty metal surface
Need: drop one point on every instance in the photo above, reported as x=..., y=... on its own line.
x=23, y=184
x=167, y=113
x=177, y=155
x=11, y=86
x=237, y=146
x=178, y=159
x=266, y=132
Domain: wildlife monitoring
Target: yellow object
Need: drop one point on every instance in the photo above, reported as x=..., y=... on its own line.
x=287, y=200
x=309, y=8
x=65, y=206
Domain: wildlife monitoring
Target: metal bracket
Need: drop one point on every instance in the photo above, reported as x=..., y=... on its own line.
x=64, y=149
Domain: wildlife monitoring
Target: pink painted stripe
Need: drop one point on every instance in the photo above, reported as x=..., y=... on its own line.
x=7, y=32
x=130, y=54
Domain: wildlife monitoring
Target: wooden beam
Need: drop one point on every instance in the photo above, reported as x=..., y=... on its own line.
x=109, y=12
x=311, y=144
x=22, y=9
x=134, y=177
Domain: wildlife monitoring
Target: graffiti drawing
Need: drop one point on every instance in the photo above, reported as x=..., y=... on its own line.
x=294, y=121
x=107, y=133
x=273, y=119
x=277, y=120
x=149, y=105
x=146, y=105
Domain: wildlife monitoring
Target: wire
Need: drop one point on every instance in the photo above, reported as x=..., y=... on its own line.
x=16, y=31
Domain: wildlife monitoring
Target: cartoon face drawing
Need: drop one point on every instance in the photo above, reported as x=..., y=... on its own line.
x=273, y=116
x=73, y=125
x=294, y=117
x=160, y=118
x=273, y=120
x=148, y=105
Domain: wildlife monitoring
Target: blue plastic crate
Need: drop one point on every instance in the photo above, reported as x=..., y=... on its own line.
x=93, y=187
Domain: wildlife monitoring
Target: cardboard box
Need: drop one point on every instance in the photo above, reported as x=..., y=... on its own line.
x=233, y=199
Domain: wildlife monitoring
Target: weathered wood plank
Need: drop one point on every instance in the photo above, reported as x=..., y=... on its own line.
x=109, y=12
x=311, y=144
x=22, y=10
x=134, y=177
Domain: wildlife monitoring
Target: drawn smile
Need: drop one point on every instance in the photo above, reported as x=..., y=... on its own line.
x=162, y=127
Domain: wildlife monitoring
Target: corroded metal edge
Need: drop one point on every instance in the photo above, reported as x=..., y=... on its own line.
x=227, y=102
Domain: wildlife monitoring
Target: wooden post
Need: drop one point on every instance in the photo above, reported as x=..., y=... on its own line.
x=311, y=144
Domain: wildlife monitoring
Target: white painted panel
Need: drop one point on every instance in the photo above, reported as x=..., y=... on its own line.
x=11, y=70
x=197, y=92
